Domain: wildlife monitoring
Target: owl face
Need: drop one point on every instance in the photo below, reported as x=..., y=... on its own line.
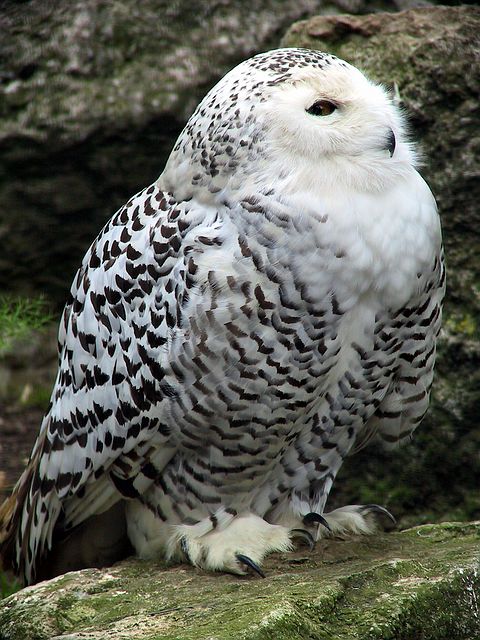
x=335, y=122
x=332, y=112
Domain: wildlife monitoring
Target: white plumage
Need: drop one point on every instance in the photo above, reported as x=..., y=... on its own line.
x=269, y=305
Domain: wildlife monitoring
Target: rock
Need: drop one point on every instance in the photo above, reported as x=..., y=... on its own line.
x=431, y=57
x=420, y=584
x=92, y=97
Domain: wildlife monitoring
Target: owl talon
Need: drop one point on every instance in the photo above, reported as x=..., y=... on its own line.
x=312, y=517
x=304, y=535
x=250, y=564
x=376, y=508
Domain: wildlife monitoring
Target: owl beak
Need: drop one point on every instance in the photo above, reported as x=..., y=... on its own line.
x=391, y=143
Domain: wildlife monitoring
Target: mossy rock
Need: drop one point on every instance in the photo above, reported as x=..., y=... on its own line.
x=420, y=584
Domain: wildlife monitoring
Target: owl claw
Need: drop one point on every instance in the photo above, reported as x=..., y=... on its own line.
x=306, y=536
x=376, y=508
x=250, y=564
x=312, y=517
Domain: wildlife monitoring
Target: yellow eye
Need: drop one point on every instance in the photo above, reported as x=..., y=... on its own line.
x=321, y=108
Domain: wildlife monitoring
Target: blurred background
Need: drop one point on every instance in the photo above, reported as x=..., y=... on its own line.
x=93, y=94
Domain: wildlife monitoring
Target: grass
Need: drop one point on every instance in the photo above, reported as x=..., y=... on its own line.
x=18, y=317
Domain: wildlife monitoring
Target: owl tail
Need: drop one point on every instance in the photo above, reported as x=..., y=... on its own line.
x=7, y=510
x=17, y=521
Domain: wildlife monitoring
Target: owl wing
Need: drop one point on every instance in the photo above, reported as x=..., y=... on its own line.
x=103, y=434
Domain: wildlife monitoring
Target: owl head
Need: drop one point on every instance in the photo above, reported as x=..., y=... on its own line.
x=297, y=117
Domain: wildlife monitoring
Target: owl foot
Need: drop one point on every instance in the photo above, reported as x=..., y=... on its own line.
x=357, y=519
x=238, y=547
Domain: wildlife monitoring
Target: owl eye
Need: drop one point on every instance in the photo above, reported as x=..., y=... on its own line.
x=321, y=108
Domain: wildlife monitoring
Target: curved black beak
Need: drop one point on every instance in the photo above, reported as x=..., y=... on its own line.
x=391, y=143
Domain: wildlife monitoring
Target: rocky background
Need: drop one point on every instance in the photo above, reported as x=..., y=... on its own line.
x=92, y=96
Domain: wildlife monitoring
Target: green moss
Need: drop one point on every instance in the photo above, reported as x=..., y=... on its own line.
x=20, y=316
x=463, y=324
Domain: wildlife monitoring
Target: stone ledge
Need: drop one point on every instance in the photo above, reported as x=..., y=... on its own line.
x=421, y=584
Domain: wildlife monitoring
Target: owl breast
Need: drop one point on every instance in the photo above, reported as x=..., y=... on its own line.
x=287, y=338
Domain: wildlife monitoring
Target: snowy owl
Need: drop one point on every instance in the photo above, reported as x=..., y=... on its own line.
x=264, y=309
